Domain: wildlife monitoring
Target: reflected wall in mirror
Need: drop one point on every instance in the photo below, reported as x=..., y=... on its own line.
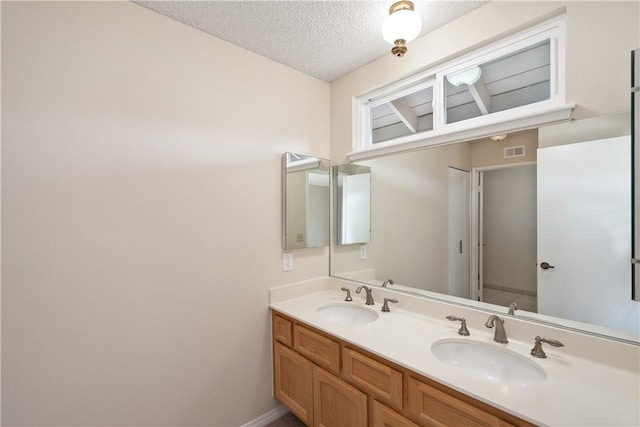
x=352, y=192
x=305, y=201
x=568, y=206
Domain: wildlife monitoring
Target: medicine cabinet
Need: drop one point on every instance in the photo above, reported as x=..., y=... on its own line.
x=305, y=201
x=352, y=201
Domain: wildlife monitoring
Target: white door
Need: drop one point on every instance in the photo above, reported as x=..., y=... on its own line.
x=584, y=233
x=459, y=233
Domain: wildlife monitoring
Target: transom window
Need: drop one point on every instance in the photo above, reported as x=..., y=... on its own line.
x=513, y=84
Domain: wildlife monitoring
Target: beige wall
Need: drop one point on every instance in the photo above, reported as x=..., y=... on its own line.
x=141, y=216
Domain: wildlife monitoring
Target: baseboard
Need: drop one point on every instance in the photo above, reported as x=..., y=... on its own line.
x=265, y=419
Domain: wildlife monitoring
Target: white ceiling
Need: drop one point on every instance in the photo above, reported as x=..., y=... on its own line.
x=322, y=38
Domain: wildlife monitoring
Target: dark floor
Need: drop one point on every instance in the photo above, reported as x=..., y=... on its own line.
x=287, y=420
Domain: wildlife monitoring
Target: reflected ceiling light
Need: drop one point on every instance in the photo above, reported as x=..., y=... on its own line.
x=401, y=26
x=498, y=138
x=468, y=76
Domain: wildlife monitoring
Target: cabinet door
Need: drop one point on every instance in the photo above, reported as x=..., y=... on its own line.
x=336, y=403
x=382, y=416
x=318, y=348
x=294, y=382
x=435, y=407
x=373, y=376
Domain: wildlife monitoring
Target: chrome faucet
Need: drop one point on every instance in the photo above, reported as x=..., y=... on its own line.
x=500, y=334
x=368, y=292
x=387, y=282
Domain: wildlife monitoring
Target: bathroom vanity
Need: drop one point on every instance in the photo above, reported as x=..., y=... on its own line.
x=327, y=381
x=380, y=370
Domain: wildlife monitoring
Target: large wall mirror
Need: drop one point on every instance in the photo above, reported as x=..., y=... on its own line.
x=540, y=221
x=305, y=201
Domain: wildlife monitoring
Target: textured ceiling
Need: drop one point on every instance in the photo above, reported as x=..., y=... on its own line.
x=325, y=39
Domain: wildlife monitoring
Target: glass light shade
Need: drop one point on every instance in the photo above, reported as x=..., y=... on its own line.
x=468, y=76
x=403, y=24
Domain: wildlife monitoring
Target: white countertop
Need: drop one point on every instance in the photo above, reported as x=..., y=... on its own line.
x=579, y=390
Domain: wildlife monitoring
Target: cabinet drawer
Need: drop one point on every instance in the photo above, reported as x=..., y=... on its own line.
x=372, y=376
x=282, y=330
x=435, y=407
x=293, y=382
x=319, y=348
x=382, y=416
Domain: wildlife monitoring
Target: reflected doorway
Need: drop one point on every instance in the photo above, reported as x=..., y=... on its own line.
x=507, y=236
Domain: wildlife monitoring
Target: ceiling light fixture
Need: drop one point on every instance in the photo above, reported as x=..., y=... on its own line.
x=401, y=26
x=468, y=76
x=498, y=138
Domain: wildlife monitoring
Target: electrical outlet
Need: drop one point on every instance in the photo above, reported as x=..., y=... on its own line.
x=287, y=261
x=363, y=251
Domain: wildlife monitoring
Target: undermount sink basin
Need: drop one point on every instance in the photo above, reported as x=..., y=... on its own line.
x=488, y=362
x=347, y=313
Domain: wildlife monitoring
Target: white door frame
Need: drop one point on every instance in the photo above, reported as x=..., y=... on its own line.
x=475, y=272
x=466, y=233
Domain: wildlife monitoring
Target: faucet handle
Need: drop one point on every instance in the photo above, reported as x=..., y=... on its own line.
x=348, y=291
x=537, y=350
x=512, y=308
x=385, y=305
x=387, y=282
x=463, y=327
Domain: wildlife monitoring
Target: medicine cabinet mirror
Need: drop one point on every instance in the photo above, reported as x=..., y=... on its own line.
x=352, y=194
x=305, y=201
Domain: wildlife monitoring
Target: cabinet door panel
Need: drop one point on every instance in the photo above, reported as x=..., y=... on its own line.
x=336, y=403
x=294, y=382
x=382, y=416
x=435, y=407
x=320, y=349
x=373, y=376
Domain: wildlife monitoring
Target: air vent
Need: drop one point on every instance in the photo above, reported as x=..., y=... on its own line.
x=518, y=151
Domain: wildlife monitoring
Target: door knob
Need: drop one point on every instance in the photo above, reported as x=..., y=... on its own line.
x=546, y=266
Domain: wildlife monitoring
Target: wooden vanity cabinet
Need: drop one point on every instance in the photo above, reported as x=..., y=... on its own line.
x=327, y=382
